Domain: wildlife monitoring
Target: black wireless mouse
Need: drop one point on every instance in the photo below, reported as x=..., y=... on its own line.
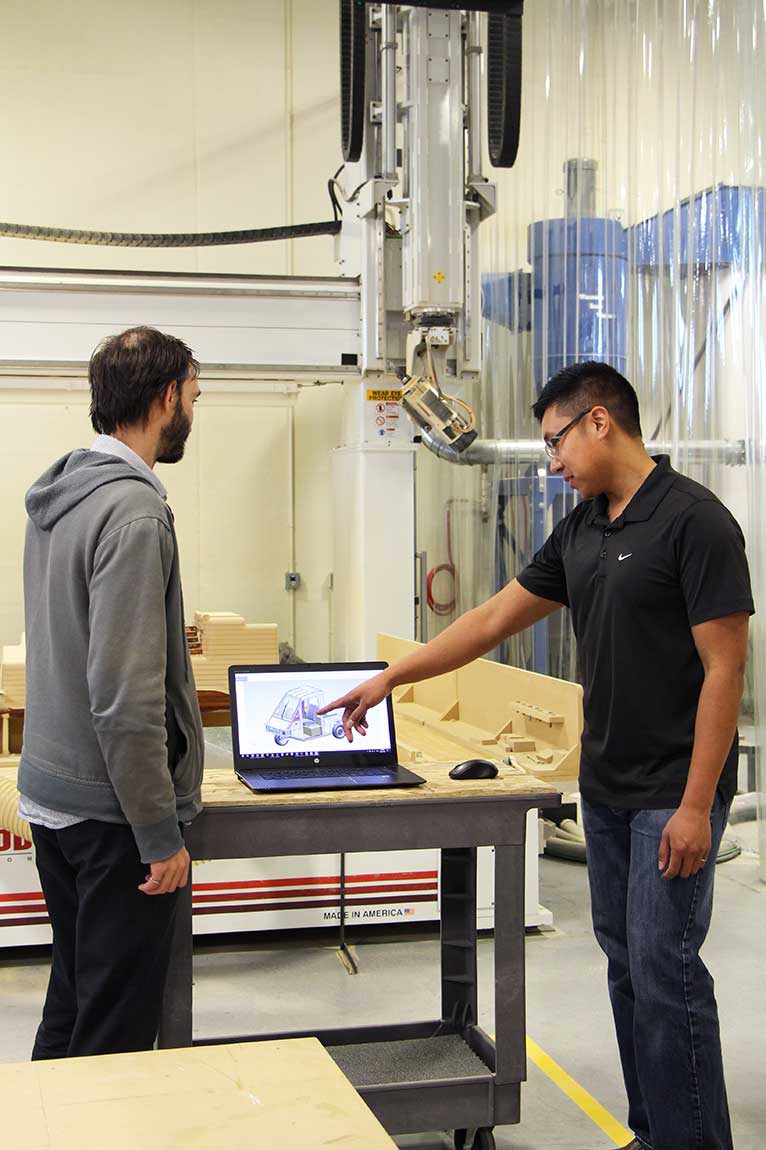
x=474, y=769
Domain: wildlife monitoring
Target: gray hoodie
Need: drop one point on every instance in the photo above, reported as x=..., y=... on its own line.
x=108, y=671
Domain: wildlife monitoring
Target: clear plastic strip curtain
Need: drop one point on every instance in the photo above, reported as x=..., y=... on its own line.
x=631, y=229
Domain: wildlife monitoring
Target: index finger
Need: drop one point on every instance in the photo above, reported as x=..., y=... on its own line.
x=335, y=706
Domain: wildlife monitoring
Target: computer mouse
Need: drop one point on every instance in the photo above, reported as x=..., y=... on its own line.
x=474, y=769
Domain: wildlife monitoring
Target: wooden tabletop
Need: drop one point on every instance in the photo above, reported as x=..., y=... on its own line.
x=287, y=1093
x=222, y=788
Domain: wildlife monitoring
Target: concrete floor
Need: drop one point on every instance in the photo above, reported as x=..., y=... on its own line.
x=250, y=985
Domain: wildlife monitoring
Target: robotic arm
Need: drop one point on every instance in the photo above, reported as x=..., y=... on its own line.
x=411, y=104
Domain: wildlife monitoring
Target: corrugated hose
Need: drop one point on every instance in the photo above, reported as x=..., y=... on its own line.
x=168, y=239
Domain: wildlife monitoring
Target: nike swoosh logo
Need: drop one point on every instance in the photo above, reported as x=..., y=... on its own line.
x=621, y=557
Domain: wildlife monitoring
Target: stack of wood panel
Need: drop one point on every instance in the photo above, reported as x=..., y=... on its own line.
x=12, y=677
x=226, y=639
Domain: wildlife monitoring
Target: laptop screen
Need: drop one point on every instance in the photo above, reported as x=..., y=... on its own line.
x=274, y=717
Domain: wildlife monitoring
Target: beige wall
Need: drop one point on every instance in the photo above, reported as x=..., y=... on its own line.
x=187, y=115
x=230, y=496
x=184, y=115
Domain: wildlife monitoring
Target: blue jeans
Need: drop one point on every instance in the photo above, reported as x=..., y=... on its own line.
x=665, y=1014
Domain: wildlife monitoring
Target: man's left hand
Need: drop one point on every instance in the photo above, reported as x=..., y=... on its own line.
x=685, y=845
x=168, y=874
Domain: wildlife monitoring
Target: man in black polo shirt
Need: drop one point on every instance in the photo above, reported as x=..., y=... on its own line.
x=652, y=567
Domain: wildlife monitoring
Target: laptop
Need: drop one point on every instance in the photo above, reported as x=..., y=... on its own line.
x=281, y=743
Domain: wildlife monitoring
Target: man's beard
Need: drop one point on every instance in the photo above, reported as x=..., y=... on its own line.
x=174, y=436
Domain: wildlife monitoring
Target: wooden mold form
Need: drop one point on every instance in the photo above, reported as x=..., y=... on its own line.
x=491, y=711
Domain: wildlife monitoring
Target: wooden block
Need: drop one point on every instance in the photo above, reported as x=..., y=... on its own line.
x=554, y=766
x=518, y=743
x=539, y=714
x=545, y=757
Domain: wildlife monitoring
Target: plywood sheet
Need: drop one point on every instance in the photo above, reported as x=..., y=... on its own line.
x=221, y=788
x=287, y=1093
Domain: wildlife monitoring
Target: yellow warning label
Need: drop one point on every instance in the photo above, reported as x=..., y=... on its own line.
x=384, y=396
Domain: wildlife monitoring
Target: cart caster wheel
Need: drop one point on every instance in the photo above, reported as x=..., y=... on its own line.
x=460, y=1139
x=484, y=1139
x=281, y=740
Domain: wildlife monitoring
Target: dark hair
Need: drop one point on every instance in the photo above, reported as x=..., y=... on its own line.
x=127, y=372
x=589, y=384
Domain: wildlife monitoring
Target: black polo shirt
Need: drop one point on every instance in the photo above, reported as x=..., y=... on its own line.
x=635, y=588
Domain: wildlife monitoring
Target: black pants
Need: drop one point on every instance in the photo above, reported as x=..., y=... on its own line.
x=111, y=942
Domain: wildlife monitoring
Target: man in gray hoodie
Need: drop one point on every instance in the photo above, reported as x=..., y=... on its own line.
x=112, y=760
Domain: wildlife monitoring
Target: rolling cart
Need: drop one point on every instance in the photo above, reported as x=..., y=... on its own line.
x=437, y=1074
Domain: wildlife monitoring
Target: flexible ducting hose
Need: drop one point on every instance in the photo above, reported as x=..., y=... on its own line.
x=170, y=239
x=503, y=74
x=353, y=47
x=9, y=810
x=504, y=84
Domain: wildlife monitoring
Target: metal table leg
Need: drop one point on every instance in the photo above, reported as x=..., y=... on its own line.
x=510, y=1010
x=458, y=938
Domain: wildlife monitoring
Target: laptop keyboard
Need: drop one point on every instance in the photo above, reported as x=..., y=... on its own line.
x=324, y=773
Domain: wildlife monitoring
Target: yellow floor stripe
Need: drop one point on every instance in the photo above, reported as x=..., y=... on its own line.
x=595, y=1111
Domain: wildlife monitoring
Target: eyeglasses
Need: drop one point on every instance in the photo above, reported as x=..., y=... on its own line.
x=552, y=445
